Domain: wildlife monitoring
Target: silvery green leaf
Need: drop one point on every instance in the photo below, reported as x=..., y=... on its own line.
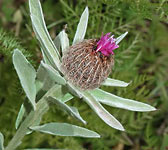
x=73, y=112
x=101, y=112
x=26, y=74
x=65, y=129
x=74, y=90
x=116, y=101
x=66, y=97
x=82, y=26
x=61, y=94
x=44, y=78
x=62, y=40
x=41, y=73
x=45, y=47
x=114, y=82
x=1, y=141
x=57, y=42
x=121, y=37
x=54, y=74
x=41, y=32
x=39, y=85
x=20, y=116
x=45, y=59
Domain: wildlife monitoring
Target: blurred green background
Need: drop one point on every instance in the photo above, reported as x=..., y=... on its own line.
x=142, y=58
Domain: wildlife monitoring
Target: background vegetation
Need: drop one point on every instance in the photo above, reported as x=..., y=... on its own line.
x=142, y=58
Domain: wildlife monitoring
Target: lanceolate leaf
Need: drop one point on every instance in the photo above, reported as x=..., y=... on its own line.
x=60, y=93
x=23, y=112
x=42, y=33
x=74, y=90
x=113, y=82
x=70, y=110
x=62, y=40
x=121, y=37
x=57, y=42
x=101, y=112
x=66, y=97
x=54, y=74
x=26, y=74
x=82, y=26
x=1, y=141
x=116, y=101
x=20, y=116
x=43, y=77
x=65, y=129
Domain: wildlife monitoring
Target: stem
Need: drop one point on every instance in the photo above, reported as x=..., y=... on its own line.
x=33, y=116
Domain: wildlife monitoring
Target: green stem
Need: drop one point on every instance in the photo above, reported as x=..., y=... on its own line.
x=41, y=108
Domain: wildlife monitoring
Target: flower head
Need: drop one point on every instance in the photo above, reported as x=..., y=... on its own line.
x=84, y=66
x=107, y=44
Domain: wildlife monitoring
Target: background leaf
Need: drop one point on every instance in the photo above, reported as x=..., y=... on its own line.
x=101, y=112
x=65, y=129
x=26, y=74
x=54, y=74
x=121, y=37
x=70, y=110
x=43, y=36
x=1, y=141
x=114, y=82
x=62, y=40
x=116, y=101
x=82, y=26
x=20, y=116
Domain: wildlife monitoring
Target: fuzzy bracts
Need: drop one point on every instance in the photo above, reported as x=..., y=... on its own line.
x=86, y=67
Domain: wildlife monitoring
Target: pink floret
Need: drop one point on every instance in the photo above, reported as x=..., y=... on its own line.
x=106, y=44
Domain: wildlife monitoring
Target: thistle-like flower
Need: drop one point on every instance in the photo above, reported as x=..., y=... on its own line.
x=88, y=63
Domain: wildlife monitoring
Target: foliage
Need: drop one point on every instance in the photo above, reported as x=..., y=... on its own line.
x=140, y=59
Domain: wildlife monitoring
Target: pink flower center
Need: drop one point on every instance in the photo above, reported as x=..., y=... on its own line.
x=106, y=44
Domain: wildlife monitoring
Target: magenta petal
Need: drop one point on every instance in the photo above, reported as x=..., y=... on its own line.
x=107, y=44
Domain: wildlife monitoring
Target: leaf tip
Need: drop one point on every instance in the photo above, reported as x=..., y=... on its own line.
x=87, y=9
x=121, y=128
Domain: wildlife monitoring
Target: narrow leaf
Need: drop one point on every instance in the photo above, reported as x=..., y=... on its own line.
x=74, y=90
x=20, y=116
x=26, y=74
x=113, y=82
x=41, y=32
x=54, y=74
x=62, y=40
x=44, y=78
x=65, y=129
x=57, y=42
x=61, y=94
x=1, y=141
x=82, y=26
x=75, y=110
x=121, y=37
x=66, y=97
x=72, y=111
x=45, y=59
x=119, y=102
x=101, y=112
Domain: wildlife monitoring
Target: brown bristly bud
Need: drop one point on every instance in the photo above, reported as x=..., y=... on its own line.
x=84, y=66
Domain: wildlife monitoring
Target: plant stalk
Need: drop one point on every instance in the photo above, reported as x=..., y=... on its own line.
x=41, y=107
